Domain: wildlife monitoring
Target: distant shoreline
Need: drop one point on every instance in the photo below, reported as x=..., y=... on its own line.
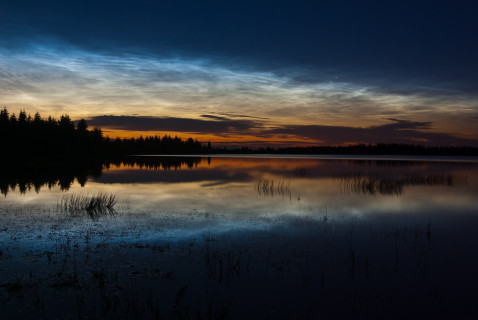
x=33, y=139
x=326, y=157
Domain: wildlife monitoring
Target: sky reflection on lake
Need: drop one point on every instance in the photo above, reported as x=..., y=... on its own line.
x=240, y=187
x=321, y=238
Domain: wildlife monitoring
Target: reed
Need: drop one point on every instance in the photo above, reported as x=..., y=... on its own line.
x=370, y=185
x=267, y=187
x=92, y=204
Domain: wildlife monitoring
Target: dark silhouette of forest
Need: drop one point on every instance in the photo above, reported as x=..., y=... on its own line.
x=27, y=138
x=362, y=149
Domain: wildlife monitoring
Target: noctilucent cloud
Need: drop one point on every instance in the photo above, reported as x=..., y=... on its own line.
x=248, y=72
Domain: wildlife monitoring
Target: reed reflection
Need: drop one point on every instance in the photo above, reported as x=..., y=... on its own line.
x=267, y=188
x=375, y=185
x=268, y=176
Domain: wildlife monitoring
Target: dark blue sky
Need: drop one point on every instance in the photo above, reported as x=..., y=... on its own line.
x=436, y=36
x=424, y=49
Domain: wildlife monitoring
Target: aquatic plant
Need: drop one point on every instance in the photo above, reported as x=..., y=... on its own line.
x=375, y=185
x=370, y=185
x=266, y=187
x=92, y=204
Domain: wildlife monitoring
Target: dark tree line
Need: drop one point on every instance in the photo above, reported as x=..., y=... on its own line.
x=155, y=145
x=33, y=138
x=386, y=149
x=361, y=149
x=26, y=137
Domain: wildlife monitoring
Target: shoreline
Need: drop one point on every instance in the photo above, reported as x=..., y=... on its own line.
x=472, y=159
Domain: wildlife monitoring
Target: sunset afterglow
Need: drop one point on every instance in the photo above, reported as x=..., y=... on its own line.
x=282, y=92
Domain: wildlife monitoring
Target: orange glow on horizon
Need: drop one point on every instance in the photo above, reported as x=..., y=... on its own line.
x=229, y=140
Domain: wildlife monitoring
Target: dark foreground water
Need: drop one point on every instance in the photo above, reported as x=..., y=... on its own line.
x=222, y=237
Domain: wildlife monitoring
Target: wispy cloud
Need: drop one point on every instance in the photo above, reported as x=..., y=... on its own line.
x=210, y=116
x=166, y=93
x=399, y=131
x=217, y=125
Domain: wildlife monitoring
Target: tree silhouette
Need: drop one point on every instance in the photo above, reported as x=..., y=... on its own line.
x=82, y=127
x=38, y=139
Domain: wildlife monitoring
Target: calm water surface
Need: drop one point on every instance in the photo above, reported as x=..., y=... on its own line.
x=239, y=187
x=243, y=237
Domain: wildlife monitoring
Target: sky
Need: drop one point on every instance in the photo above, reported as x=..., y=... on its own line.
x=256, y=73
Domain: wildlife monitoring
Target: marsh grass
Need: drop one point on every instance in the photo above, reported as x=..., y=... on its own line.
x=370, y=185
x=375, y=185
x=267, y=187
x=436, y=179
x=100, y=203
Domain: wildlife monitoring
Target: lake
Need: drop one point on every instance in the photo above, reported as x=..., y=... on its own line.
x=258, y=236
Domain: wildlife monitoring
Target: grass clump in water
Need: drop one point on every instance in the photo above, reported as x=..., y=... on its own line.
x=92, y=204
x=266, y=187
